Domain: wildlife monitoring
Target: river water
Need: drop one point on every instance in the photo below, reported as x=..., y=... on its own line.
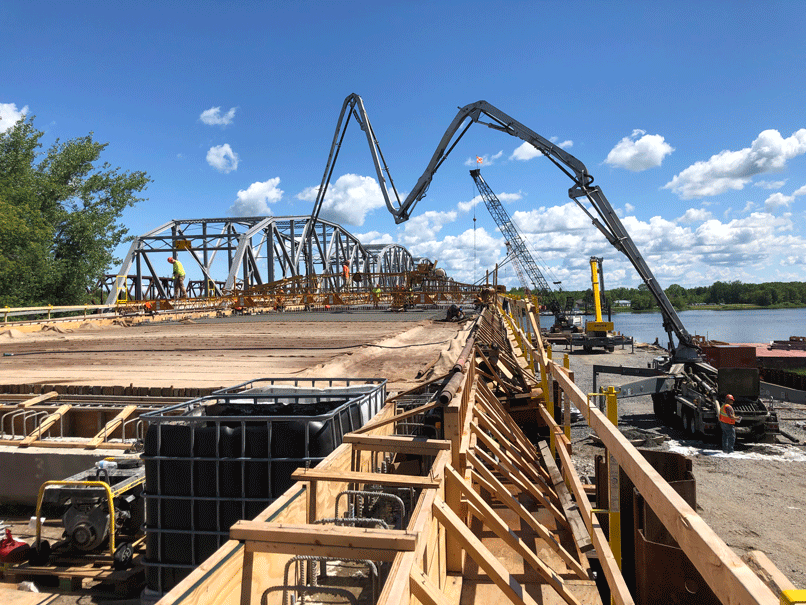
x=757, y=325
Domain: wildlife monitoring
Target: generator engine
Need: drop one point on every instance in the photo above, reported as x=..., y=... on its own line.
x=84, y=502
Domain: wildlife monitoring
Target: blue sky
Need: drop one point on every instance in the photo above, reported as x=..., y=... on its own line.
x=691, y=116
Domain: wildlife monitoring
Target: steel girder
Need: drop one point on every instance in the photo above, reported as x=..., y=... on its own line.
x=250, y=251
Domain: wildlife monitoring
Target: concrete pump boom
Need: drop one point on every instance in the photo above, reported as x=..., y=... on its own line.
x=482, y=112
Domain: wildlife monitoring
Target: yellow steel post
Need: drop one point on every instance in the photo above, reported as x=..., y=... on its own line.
x=793, y=597
x=566, y=362
x=549, y=398
x=613, y=483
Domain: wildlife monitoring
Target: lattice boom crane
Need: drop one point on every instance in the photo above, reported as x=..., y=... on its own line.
x=522, y=257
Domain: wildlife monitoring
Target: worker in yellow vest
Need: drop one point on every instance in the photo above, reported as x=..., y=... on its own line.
x=727, y=422
x=179, y=278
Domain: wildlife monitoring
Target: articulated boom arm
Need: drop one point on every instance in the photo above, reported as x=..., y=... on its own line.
x=354, y=107
x=484, y=113
x=608, y=223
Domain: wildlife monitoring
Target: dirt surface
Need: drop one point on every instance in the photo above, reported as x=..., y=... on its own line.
x=228, y=351
x=224, y=352
x=754, y=498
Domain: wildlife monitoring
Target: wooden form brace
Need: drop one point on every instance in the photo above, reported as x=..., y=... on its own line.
x=110, y=427
x=488, y=481
x=323, y=540
x=486, y=513
x=725, y=573
x=45, y=425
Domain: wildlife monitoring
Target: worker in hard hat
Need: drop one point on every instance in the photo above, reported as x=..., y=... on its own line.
x=727, y=422
x=179, y=278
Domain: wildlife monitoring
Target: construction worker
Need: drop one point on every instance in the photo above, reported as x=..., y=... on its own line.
x=727, y=422
x=345, y=269
x=454, y=313
x=377, y=292
x=179, y=278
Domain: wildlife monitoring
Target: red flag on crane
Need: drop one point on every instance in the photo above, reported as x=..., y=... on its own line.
x=479, y=160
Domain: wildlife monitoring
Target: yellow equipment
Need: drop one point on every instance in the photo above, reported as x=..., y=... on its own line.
x=598, y=327
x=103, y=506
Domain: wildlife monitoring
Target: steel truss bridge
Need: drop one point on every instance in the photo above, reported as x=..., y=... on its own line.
x=274, y=261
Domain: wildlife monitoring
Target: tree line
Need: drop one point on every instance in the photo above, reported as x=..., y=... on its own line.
x=769, y=294
x=59, y=216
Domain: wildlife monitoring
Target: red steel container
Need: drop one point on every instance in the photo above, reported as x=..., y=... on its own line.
x=730, y=356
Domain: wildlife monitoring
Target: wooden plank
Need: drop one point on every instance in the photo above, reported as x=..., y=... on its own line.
x=9, y=595
x=38, y=399
x=618, y=587
x=719, y=566
x=314, y=474
x=402, y=444
x=571, y=510
x=767, y=571
x=486, y=479
x=111, y=426
x=515, y=457
x=485, y=512
x=481, y=555
x=45, y=425
x=493, y=407
x=327, y=540
x=425, y=590
x=507, y=385
x=379, y=423
x=513, y=474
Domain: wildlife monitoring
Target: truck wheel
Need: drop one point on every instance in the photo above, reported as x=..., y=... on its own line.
x=692, y=427
x=687, y=422
x=658, y=407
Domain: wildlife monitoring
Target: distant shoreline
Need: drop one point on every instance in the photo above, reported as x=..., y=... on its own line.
x=711, y=308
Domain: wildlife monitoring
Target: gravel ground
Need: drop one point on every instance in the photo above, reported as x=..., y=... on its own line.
x=754, y=499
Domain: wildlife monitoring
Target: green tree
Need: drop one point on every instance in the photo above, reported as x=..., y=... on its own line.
x=59, y=214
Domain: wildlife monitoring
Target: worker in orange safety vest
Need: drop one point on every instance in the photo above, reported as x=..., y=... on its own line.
x=727, y=422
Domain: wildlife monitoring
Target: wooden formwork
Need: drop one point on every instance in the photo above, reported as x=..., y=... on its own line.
x=59, y=420
x=489, y=520
x=498, y=516
x=725, y=573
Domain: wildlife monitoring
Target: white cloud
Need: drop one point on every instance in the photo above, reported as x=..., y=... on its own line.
x=694, y=215
x=525, y=152
x=769, y=184
x=255, y=199
x=637, y=154
x=456, y=253
x=214, y=117
x=467, y=206
x=734, y=169
x=564, y=144
x=628, y=208
x=777, y=201
x=424, y=227
x=223, y=158
x=800, y=191
x=374, y=237
x=507, y=198
x=348, y=200
x=748, y=207
x=554, y=219
x=10, y=115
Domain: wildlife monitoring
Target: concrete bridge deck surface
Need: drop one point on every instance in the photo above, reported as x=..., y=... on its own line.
x=214, y=352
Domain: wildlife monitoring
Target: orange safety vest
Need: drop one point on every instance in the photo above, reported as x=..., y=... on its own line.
x=723, y=415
